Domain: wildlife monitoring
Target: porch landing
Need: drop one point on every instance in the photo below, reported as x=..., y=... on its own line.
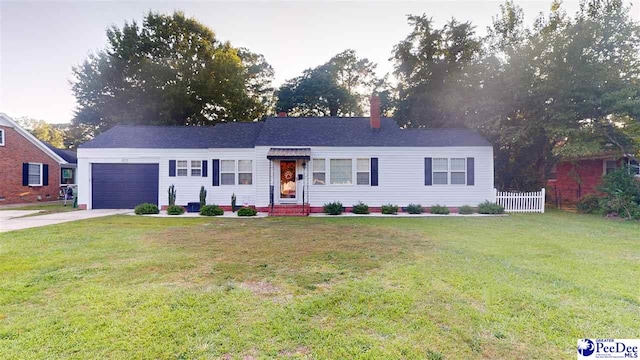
x=289, y=210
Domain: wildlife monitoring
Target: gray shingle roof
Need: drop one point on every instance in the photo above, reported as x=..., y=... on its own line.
x=325, y=131
x=68, y=155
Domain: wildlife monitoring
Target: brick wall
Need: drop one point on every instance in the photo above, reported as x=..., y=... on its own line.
x=576, y=179
x=17, y=150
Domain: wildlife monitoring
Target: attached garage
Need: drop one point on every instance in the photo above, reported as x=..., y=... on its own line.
x=123, y=186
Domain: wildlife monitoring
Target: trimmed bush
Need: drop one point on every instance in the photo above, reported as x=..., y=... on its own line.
x=360, y=208
x=147, y=208
x=439, y=210
x=622, y=194
x=390, y=209
x=490, y=208
x=247, y=211
x=175, y=210
x=465, y=210
x=333, y=208
x=590, y=204
x=415, y=209
x=211, y=210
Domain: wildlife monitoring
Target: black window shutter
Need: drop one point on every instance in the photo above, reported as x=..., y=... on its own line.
x=374, y=171
x=427, y=172
x=205, y=164
x=215, y=171
x=470, y=171
x=172, y=168
x=25, y=174
x=45, y=174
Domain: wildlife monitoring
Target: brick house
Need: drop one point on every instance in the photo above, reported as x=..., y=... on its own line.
x=30, y=170
x=573, y=178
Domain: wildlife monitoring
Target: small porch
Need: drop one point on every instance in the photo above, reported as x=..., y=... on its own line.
x=289, y=181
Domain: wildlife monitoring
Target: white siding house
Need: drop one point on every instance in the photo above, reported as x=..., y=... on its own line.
x=286, y=161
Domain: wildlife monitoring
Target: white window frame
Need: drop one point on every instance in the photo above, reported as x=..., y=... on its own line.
x=245, y=172
x=604, y=165
x=40, y=175
x=2, y=135
x=368, y=172
x=195, y=168
x=185, y=167
x=314, y=171
x=350, y=175
x=449, y=171
x=434, y=171
x=234, y=172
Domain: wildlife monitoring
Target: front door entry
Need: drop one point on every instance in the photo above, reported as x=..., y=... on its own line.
x=287, y=179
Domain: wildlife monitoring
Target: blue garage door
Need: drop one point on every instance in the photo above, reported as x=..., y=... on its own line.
x=123, y=186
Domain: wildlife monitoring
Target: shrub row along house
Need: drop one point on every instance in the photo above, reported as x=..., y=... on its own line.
x=287, y=163
x=31, y=170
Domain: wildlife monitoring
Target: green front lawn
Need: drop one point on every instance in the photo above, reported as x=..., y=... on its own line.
x=46, y=208
x=124, y=287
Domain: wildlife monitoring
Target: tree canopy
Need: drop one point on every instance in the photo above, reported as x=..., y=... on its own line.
x=171, y=70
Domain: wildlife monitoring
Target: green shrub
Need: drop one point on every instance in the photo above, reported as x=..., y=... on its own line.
x=390, y=209
x=622, y=194
x=172, y=195
x=333, y=208
x=360, y=208
x=211, y=210
x=175, y=210
x=415, y=209
x=203, y=196
x=590, y=204
x=465, y=210
x=247, y=211
x=490, y=208
x=147, y=208
x=439, y=209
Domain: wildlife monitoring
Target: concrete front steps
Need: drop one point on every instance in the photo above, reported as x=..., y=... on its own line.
x=289, y=210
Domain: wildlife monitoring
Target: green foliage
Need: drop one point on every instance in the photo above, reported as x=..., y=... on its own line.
x=590, y=204
x=389, y=209
x=172, y=195
x=340, y=87
x=488, y=207
x=247, y=211
x=622, y=194
x=439, y=209
x=360, y=208
x=211, y=210
x=203, y=196
x=147, y=208
x=465, y=210
x=233, y=203
x=333, y=208
x=414, y=209
x=170, y=70
x=175, y=210
x=43, y=131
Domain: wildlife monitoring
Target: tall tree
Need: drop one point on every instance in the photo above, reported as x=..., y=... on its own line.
x=172, y=70
x=43, y=131
x=340, y=87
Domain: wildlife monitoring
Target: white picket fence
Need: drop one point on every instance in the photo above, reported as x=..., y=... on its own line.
x=530, y=202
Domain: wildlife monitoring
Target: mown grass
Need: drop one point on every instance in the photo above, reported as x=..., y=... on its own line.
x=49, y=208
x=125, y=287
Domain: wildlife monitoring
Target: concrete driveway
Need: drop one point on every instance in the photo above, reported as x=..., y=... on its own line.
x=10, y=220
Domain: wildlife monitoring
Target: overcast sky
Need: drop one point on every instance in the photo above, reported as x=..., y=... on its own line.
x=41, y=41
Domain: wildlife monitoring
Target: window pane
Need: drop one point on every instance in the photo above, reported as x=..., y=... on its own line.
x=228, y=165
x=318, y=178
x=196, y=172
x=458, y=178
x=440, y=178
x=440, y=164
x=363, y=178
x=182, y=163
x=183, y=172
x=196, y=163
x=318, y=165
x=458, y=164
x=34, y=174
x=341, y=171
x=245, y=178
x=363, y=165
x=228, y=179
x=244, y=166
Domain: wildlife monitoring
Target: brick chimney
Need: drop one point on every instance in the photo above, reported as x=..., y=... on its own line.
x=282, y=114
x=375, y=113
